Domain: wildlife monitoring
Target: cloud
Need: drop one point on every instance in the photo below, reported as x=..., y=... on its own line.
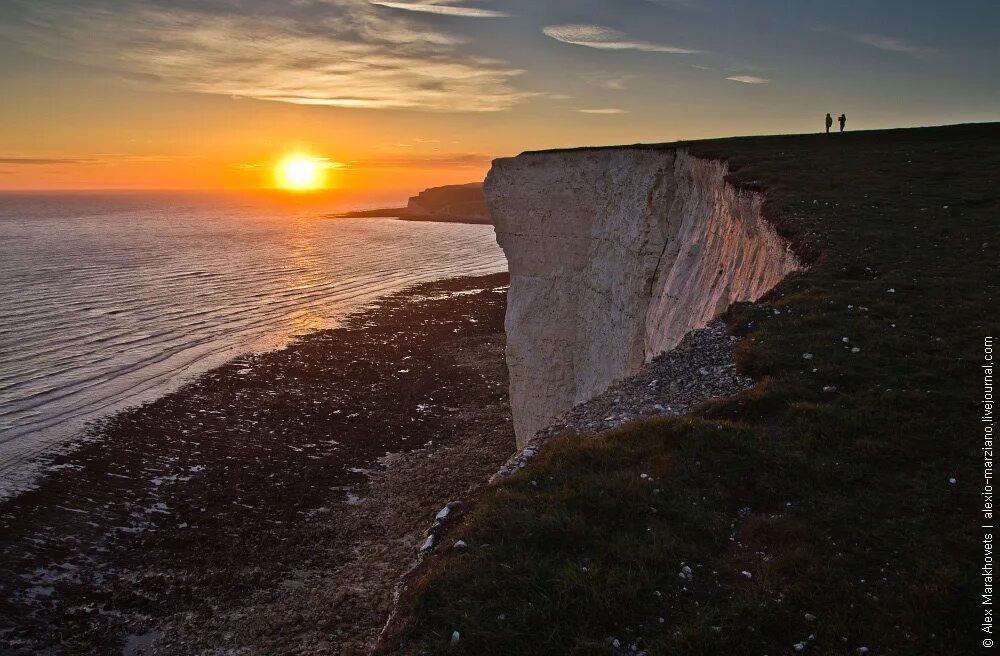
x=448, y=161
x=605, y=38
x=343, y=53
x=893, y=44
x=319, y=162
x=607, y=81
x=96, y=159
x=435, y=7
x=32, y=161
x=606, y=110
x=748, y=79
x=880, y=41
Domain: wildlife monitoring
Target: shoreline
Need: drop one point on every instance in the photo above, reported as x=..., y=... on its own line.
x=273, y=502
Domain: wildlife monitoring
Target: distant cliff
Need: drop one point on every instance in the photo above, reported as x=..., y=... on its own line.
x=461, y=203
x=614, y=255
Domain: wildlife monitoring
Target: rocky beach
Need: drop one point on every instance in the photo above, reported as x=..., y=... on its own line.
x=270, y=505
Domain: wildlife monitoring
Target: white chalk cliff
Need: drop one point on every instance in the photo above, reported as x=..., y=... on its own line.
x=614, y=255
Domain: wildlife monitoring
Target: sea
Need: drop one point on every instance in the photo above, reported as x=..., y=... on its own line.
x=109, y=300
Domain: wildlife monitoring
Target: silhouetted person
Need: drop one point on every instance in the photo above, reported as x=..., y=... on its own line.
x=842, y=119
x=829, y=122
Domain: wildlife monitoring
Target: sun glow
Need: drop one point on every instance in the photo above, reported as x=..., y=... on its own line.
x=301, y=173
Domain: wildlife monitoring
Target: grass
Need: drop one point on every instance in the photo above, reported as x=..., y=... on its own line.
x=838, y=505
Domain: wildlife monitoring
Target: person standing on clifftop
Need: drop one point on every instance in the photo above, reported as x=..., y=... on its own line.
x=829, y=122
x=842, y=119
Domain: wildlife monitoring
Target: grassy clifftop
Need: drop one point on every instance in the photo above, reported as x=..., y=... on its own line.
x=816, y=521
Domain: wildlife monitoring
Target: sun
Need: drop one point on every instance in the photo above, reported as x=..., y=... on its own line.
x=300, y=173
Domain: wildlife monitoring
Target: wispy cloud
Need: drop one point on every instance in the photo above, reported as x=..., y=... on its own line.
x=605, y=38
x=894, y=44
x=319, y=162
x=880, y=41
x=344, y=53
x=443, y=9
x=444, y=161
x=608, y=81
x=604, y=110
x=91, y=159
x=35, y=161
x=748, y=79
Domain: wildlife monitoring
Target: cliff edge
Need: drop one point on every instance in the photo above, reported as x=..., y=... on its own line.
x=614, y=255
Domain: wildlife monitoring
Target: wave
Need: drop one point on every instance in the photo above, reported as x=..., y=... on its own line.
x=99, y=311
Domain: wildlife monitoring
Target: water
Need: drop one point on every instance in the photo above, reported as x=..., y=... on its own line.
x=107, y=300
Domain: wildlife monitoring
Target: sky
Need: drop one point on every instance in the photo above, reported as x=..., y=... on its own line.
x=405, y=94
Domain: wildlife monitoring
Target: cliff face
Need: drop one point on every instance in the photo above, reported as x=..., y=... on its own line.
x=614, y=256
x=457, y=202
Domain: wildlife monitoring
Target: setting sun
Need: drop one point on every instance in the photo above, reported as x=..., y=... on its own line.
x=300, y=173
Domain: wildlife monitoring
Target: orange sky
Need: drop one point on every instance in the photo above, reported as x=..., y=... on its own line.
x=402, y=95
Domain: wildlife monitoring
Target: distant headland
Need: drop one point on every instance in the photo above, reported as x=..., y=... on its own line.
x=462, y=203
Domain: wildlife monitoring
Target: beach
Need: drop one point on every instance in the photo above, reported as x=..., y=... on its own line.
x=270, y=505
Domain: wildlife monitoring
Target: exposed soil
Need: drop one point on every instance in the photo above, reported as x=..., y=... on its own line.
x=270, y=506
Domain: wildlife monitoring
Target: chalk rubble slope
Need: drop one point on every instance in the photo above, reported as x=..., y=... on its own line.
x=615, y=254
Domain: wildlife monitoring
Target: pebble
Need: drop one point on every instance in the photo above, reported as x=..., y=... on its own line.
x=455, y=637
x=460, y=544
x=829, y=389
x=699, y=368
x=747, y=574
x=428, y=544
x=807, y=356
x=810, y=617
